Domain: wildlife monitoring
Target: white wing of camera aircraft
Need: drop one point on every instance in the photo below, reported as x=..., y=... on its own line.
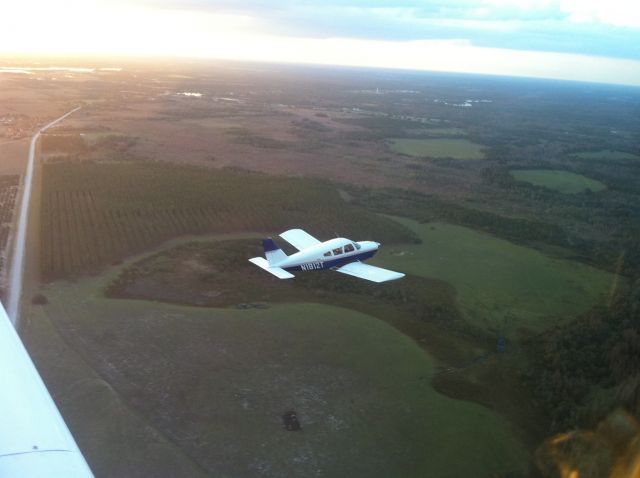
x=34, y=440
x=339, y=254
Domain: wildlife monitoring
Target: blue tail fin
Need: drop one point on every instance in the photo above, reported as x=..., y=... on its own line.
x=272, y=252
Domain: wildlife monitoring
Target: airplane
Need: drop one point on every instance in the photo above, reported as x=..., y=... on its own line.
x=34, y=439
x=339, y=254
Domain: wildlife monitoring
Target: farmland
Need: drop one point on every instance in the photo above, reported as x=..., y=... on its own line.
x=156, y=192
x=96, y=213
x=500, y=285
x=563, y=181
x=8, y=193
x=437, y=148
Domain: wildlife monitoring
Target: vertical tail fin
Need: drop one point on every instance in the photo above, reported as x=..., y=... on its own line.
x=272, y=252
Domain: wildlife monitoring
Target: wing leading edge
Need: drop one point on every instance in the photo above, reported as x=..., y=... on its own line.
x=34, y=440
x=372, y=273
x=299, y=239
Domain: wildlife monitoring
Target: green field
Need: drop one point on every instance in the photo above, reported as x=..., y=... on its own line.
x=562, y=181
x=604, y=154
x=499, y=284
x=440, y=132
x=437, y=148
x=217, y=381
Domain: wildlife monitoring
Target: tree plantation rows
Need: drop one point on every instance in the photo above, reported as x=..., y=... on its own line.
x=94, y=214
x=8, y=192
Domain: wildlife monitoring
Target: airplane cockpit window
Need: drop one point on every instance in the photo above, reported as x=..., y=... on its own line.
x=358, y=246
x=337, y=251
x=327, y=254
x=348, y=248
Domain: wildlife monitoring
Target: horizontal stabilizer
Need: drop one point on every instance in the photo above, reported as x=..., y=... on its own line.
x=372, y=273
x=276, y=271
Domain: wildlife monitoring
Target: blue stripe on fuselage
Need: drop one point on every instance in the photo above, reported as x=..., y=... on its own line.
x=339, y=262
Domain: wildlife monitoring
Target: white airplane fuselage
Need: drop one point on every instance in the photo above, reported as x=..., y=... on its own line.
x=314, y=257
x=339, y=254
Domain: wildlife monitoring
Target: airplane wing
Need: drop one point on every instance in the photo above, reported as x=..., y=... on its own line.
x=34, y=440
x=372, y=273
x=299, y=238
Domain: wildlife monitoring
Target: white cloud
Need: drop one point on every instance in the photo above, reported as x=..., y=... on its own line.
x=621, y=13
x=99, y=26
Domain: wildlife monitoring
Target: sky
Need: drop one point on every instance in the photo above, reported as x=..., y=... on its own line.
x=585, y=40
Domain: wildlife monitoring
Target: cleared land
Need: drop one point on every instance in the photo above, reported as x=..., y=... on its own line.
x=96, y=213
x=500, y=285
x=214, y=272
x=437, y=148
x=13, y=154
x=563, y=181
x=216, y=383
x=605, y=154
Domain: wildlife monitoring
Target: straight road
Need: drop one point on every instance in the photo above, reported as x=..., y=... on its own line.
x=17, y=261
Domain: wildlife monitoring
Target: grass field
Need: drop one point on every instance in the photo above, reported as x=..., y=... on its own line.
x=94, y=214
x=499, y=284
x=217, y=381
x=563, y=181
x=437, y=148
x=440, y=132
x=605, y=154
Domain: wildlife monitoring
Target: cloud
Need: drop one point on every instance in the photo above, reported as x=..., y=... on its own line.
x=383, y=36
x=610, y=28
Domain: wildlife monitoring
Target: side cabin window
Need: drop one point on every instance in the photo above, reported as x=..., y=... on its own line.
x=358, y=246
x=327, y=254
x=337, y=251
x=348, y=248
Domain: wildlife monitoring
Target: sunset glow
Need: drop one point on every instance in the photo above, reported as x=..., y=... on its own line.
x=216, y=30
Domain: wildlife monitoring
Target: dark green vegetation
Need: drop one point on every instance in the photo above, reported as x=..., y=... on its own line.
x=562, y=181
x=96, y=213
x=428, y=208
x=437, y=148
x=587, y=368
x=618, y=251
x=247, y=137
x=605, y=154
